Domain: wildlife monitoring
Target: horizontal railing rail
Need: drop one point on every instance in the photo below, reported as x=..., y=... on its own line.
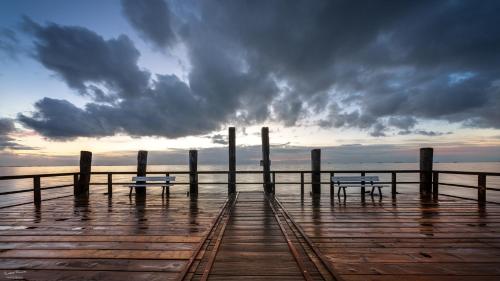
x=393, y=174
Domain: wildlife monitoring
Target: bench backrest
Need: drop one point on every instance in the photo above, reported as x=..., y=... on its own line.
x=355, y=179
x=162, y=179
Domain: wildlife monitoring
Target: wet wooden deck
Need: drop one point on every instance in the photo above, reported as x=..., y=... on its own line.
x=120, y=239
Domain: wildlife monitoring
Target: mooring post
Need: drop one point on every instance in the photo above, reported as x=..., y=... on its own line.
x=37, y=190
x=231, y=186
x=301, y=184
x=265, y=160
x=435, y=185
x=393, y=185
x=110, y=184
x=363, y=187
x=142, y=163
x=332, y=188
x=481, y=189
x=426, y=159
x=85, y=169
x=316, y=171
x=193, y=172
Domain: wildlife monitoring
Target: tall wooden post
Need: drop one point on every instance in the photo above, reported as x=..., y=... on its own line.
x=142, y=163
x=393, y=185
x=110, y=184
x=37, y=190
x=193, y=172
x=85, y=169
x=481, y=189
x=231, y=187
x=426, y=159
x=266, y=163
x=316, y=168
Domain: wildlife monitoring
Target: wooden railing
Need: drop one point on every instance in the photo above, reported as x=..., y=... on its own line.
x=481, y=186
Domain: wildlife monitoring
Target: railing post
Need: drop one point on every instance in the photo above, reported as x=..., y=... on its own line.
x=435, y=185
x=75, y=184
x=301, y=184
x=193, y=172
x=37, y=191
x=231, y=187
x=142, y=163
x=85, y=170
x=110, y=184
x=316, y=171
x=426, y=155
x=481, y=189
x=363, y=187
x=265, y=160
x=393, y=185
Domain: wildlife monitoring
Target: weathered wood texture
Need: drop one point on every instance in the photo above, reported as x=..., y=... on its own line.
x=316, y=168
x=403, y=239
x=426, y=159
x=266, y=162
x=142, y=164
x=85, y=169
x=101, y=238
x=231, y=188
x=193, y=175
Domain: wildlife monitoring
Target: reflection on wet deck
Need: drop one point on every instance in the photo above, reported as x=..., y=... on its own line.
x=152, y=239
x=403, y=239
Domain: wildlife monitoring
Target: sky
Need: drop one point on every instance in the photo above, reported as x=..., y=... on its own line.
x=365, y=80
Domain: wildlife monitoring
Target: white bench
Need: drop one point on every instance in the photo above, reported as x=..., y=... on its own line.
x=164, y=182
x=344, y=182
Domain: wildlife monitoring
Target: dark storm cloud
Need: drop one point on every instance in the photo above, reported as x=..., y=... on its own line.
x=152, y=19
x=83, y=58
x=381, y=67
x=6, y=141
x=219, y=139
x=9, y=43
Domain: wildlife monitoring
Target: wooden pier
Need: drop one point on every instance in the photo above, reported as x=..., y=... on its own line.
x=94, y=230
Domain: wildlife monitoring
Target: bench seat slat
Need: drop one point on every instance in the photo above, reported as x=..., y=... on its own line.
x=355, y=179
x=153, y=178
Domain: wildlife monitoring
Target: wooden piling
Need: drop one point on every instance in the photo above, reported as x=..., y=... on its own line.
x=363, y=190
x=110, y=184
x=231, y=187
x=316, y=171
x=85, y=169
x=301, y=184
x=265, y=160
x=393, y=185
x=142, y=163
x=167, y=187
x=37, y=190
x=193, y=172
x=426, y=159
x=481, y=189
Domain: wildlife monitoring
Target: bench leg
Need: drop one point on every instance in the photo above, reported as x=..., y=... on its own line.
x=162, y=191
x=380, y=191
x=338, y=192
x=130, y=193
x=168, y=191
x=345, y=196
x=373, y=189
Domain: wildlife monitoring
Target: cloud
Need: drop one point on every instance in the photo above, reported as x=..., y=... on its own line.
x=383, y=67
x=152, y=19
x=219, y=139
x=9, y=43
x=7, y=127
